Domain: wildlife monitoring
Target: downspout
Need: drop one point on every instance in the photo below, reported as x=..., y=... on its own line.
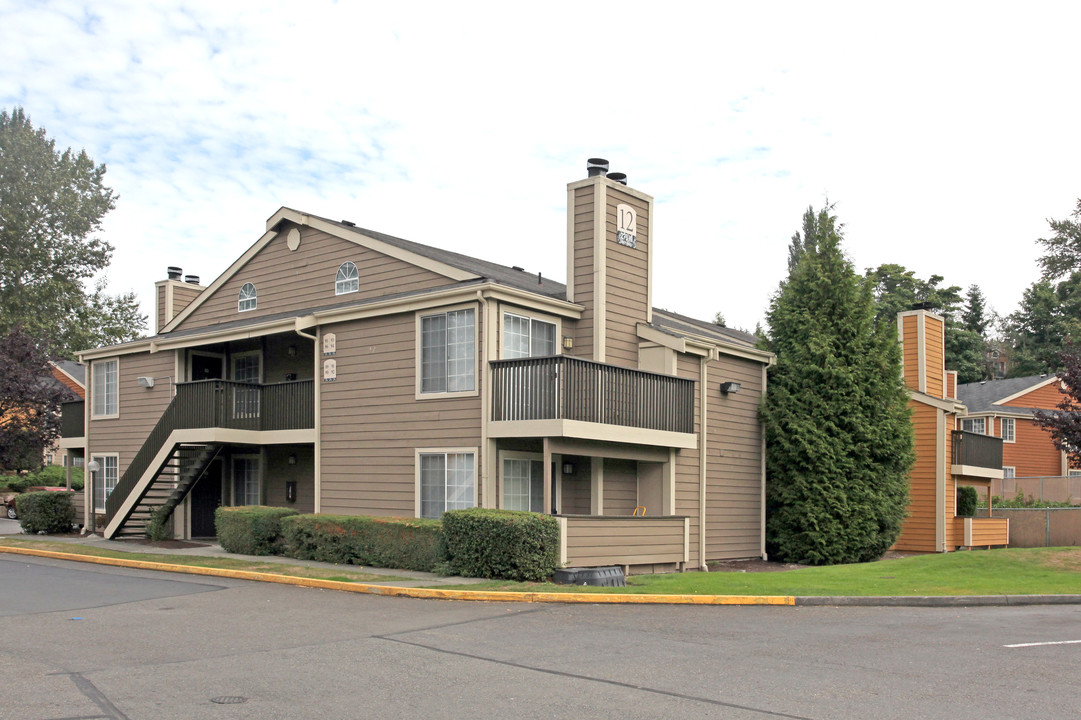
x=484, y=414
x=703, y=432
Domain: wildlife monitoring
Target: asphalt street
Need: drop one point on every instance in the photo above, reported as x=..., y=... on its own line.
x=86, y=642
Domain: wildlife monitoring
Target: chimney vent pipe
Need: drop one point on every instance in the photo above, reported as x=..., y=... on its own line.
x=596, y=166
x=174, y=272
x=191, y=279
x=620, y=178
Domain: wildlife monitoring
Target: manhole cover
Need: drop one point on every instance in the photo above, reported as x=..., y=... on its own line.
x=229, y=700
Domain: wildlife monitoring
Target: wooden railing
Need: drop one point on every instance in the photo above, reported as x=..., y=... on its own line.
x=73, y=419
x=977, y=450
x=567, y=388
x=220, y=404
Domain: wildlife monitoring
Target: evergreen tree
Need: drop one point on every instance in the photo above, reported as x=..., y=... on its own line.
x=1048, y=319
x=51, y=204
x=839, y=440
x=1064, y=423
x=1063, y=248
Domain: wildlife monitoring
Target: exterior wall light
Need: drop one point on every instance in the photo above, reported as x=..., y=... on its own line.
x=147, y=382
x=568, y=342
x=730, y=387
x=568, y=468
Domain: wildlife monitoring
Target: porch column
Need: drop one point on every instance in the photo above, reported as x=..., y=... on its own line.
x=547, y=477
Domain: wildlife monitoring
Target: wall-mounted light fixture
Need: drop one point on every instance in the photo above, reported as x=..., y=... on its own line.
x=293, y=459
x=291, y=351
x=147, y=382
x=568, y=468
x=730, y=387
x=568, y=342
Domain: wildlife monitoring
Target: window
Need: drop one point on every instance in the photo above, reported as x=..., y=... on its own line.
x=246, y=489
x=247, y=368
x=1008, y=431
x=523, y=484
x=104, y=480
x=1074, y=473
x=348, y=279
x=447, y=482
x=526, y=337
x=106, y=388
x=447, y=352
x=975, y=425
x=248, y=299
x=1008, y=472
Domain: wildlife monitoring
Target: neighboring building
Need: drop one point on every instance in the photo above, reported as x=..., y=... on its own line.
x=73, y=376
x=945, y=456
x=339, y=370
x=1003, y=408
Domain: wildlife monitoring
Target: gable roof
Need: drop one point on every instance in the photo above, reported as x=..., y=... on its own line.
x=75, y=371
x=990, y=395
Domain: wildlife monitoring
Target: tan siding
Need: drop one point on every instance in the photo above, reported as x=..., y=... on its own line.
x=279, y=472
x=918, y=531
x=183, y=294
x=624, y=541
x=162, y=319
x=627, y=272
x=583, y=270
x=734, y=461
x=688, y=478
x=291, y=281
x=140, y=408
x=935, y=360
x=575, y=489
x=371, y=423
x=620, y=486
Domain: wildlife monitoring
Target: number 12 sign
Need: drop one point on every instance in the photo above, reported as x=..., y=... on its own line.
x=626, y=226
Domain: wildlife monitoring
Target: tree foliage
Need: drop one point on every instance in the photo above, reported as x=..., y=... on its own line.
x=1048, y=319
x=1064, y=423
x=1063, y=249
x=29, y=402
x=51, y=204
x=838, y=433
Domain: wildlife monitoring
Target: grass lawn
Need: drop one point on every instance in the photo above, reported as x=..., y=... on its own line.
x=224, y=563
x=1038, y=571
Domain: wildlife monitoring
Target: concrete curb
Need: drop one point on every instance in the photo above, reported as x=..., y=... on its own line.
x=570, y=597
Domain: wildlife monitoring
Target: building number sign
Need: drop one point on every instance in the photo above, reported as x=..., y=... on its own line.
x=626, y=226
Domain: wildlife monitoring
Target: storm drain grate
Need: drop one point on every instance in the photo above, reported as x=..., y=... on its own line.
x=229, y=700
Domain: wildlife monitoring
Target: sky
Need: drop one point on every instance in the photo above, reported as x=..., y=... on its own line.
x=944, y=133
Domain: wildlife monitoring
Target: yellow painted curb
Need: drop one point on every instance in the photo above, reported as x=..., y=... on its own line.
x=424, y=593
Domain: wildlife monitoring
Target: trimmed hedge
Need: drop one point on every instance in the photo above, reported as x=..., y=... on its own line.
x=966, y=501
x=251, y=529
x=505, y=544
x=405, y=543
x=48, y=512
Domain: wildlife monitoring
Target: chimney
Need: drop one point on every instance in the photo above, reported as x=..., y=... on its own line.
x=923, y=354
x=173, y=295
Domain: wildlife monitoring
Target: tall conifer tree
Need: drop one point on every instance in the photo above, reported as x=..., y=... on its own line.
x=838, y=431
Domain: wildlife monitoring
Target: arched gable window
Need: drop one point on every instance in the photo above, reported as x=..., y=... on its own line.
x=348, y=279
x=247, y=299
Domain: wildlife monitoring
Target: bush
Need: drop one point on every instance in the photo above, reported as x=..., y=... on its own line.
x=966, y=501
x=503, y=544
x=47, y=512
x=57, y=476
x=250, y=529
x=160, y=525
x=405, y=543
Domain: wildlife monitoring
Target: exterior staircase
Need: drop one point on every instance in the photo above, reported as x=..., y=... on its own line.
x=185, y=466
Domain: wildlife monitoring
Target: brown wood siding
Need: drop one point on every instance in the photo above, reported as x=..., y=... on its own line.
x=688, y=477
x=279, y=472
x=918, y=531
x=1033, y=454
x=583, y=270
x=576, y=489
x=371, y=423
x=140, y=408
x=911, y=351
x=935, y=365
x=620, y=486
x=627, y=273
x=624, y=541
x=951, y=385
x=292, y=281
x=183, y=294
x=162, y=318
x=733, y=461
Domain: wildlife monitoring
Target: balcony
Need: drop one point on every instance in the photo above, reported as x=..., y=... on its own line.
x=245, y=406
x=572, y=397
x=73, y=419
x=976, y=455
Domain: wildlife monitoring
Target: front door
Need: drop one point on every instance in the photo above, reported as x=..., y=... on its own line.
x=205, y=499
x=207, y=367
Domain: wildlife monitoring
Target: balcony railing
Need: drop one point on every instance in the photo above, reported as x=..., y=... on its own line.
x=977, y=450
x=567, y=388
x=73, y=419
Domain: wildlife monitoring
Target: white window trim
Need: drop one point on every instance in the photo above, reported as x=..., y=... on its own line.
x=514, y=455
x=94, y=364
x=1013, y=472
x=1073, y=472
x=337, y=281
x=246, y=353
x=1013, y=429
x=257, y=458
x=101, y=477
x=540, y=317
x=973, y=419
x=474, y=451
x=254, y=296
x=205, y=353
x=418, y=341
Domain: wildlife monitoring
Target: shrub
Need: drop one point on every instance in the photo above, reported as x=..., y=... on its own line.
x=48, y=512
x=160, y=525
x=966, y=501
x=505, y=544
x=250, y=529
x=406, y=543
x=57, y=476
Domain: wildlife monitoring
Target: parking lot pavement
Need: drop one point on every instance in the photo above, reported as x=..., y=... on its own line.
x=10, y=527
